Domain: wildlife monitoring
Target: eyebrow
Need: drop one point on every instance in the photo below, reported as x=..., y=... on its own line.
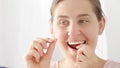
x=63, y=16
x=80, y=15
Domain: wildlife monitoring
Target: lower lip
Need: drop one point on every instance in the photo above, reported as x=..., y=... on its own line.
x=73, y=50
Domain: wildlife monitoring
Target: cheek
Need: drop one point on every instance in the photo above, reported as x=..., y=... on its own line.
x=60, y=34
x=92, y=36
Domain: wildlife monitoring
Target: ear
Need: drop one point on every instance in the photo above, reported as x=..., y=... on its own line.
x=51, y=27
x=101, y=25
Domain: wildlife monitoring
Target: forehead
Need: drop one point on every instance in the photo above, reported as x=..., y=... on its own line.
x=74, y=7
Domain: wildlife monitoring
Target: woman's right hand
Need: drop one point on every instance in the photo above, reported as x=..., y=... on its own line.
x=36, y=58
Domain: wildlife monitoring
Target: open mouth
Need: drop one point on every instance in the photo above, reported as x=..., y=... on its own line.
x=73, y=45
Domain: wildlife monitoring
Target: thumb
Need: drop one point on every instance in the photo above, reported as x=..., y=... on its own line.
x=51, y=48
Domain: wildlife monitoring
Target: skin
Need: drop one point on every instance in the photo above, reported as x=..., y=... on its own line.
x=36, y=57
x=77, y=22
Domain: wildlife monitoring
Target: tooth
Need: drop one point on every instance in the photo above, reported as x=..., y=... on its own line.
x=76, y=42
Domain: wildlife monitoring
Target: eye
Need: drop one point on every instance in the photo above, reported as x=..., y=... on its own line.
x=63, y=23
x=82, y=21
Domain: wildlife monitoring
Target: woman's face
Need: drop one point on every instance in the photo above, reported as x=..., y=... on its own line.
x=74, y=24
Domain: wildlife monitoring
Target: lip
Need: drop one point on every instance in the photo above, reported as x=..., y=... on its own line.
x=73, y=46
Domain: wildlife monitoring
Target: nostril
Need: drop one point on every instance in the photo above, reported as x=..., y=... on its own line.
x=84, y=42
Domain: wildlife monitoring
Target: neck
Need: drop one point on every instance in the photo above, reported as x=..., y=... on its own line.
x=101, y=63
x=70, y=64
x=66, y=64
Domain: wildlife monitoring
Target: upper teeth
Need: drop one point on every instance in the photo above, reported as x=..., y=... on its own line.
x=80, y=42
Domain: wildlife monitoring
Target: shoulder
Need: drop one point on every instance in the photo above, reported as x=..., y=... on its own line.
x=111, y=64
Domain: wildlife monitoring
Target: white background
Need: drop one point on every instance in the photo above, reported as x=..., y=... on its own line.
x=21, y=21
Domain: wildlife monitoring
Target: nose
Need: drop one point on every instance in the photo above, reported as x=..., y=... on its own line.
x=74, y=31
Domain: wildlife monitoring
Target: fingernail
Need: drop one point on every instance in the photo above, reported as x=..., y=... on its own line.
x=37, y=60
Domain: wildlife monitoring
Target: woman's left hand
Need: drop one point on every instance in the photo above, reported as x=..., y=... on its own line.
x=86, y=58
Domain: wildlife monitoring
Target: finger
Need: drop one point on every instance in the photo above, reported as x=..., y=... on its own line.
x=32, y=56
x=44, y=42
x=38, y=47
x=49, y=40
x=77, y=64
x=51, y=48
x=87, y=50
x=81, y=58
x=84, y=49
x=81, y=51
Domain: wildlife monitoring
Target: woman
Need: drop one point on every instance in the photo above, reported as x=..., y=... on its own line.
x=75, y=26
